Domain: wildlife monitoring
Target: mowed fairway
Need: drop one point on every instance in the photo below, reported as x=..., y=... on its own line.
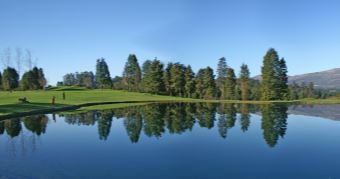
x=42, y=99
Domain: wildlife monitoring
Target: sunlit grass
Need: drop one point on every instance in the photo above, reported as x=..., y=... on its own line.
x=38, y=100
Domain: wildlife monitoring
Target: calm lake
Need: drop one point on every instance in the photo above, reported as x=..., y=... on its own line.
x=177, y=140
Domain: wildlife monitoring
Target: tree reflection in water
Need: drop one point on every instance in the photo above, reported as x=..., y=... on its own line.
x=156, y=119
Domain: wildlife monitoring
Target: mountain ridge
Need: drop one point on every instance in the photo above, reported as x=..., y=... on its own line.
x=328, y=79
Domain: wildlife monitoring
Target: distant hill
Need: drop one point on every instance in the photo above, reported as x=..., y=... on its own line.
x=329, y=79
x=323, y=79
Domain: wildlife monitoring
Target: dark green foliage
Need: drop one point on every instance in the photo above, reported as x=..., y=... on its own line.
x=282, y=82
x=302, y=91
x=83, y=79
x=209, y=84
x=205, y=84
x=199, y=84
x=174, y=79
x=132, y=74
x=29, y=81
x=167, y=79
x=117, y=83
x=221, y=77
x=153, y=77
x=255, y=89
x=177, y=80
x=145, y=67
x=86, y=79
x=33, y=79
x=10, y=79
x=189, y=77
x=230, y=85
x=103, y=78
x=41, y=78
x=274, y=77
x=244, y=82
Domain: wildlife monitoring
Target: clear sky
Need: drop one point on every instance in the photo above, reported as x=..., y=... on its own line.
x=68, y=36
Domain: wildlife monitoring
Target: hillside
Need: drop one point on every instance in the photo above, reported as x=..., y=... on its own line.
x=323, y=79
x=329, y=79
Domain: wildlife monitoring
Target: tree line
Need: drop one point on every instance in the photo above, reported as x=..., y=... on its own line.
x=11, y=78
x=33, y=79
x=176, y=79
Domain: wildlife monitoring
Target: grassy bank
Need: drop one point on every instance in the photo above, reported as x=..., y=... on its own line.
x=41, y=100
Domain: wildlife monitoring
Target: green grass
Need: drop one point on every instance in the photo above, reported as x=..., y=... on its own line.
x=42, y=99
x=76, y=96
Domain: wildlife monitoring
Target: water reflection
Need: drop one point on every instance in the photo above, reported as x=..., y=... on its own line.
x=156, y=119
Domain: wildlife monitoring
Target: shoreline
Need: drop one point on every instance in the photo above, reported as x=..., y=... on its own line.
x=52, y=109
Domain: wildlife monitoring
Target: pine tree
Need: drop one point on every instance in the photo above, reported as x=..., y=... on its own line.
x=221, y=77
x=132, y=73
x=10, y=79
x=209, y=84
x=230, y=84
x=199, y=84
x=274, y=77
x=283, y=80
x=146, y=67
x=189, y=82
x=177, y=80
x=167, y=80
x=103, y=78
x=153, y=78
x=244, y=82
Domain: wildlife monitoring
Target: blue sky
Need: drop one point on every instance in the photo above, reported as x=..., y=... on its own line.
x=68, y=36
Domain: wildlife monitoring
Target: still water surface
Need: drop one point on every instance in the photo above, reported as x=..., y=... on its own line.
x=178, y=140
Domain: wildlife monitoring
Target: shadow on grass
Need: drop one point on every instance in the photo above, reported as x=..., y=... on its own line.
x=26, y=107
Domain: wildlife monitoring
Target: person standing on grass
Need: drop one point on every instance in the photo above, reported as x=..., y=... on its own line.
x=64, y=96
x=53, y=100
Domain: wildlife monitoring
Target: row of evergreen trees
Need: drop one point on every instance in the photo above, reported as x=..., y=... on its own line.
x=176, y=79
x=33, y=79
